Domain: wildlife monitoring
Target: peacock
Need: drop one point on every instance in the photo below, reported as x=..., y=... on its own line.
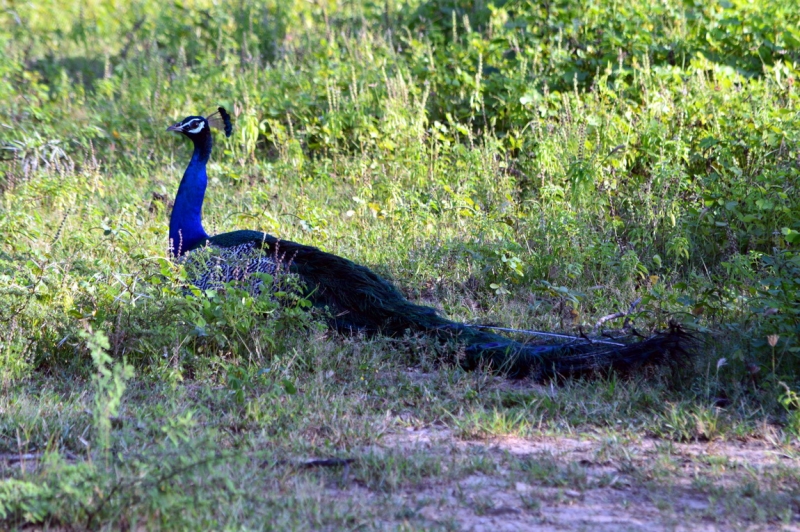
x=357, y=299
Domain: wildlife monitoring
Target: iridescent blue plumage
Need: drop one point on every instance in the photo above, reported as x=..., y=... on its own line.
x=186, y=223
x=222, y=263
x=357, y=298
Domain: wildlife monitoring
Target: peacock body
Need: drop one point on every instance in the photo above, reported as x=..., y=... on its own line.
x=356, y=298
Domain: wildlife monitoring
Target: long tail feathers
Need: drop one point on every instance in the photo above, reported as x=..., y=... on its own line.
x=581, y=357
x=361, y=300
x=673, y=344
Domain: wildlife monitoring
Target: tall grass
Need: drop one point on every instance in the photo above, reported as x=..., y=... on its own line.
x=532, y=164
x=581, y=155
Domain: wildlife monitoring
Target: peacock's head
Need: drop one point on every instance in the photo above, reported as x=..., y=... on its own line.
x=196, y=127
x=192, y=126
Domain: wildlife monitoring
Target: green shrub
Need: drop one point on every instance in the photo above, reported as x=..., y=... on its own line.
x=558, y=156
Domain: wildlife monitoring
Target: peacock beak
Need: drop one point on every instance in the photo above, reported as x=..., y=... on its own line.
x=176, y=127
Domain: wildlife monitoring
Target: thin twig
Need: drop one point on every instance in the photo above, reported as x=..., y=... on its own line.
x=130, y=37
x=608, y=317
x=12, y=458
x=308, y=464
x=616, y=315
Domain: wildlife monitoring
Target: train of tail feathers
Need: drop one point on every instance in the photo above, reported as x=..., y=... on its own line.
x=360, y=300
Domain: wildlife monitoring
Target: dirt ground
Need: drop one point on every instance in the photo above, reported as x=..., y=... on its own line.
x=645, y=484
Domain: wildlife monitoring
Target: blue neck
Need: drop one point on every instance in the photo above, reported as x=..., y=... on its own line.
x=186, y=225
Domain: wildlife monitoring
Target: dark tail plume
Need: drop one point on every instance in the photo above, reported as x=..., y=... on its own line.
x=360, y=300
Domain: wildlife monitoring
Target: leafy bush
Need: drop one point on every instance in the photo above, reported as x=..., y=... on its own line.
x=563, y=158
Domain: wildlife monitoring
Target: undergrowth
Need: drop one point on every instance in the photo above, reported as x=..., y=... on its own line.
x=535, y=165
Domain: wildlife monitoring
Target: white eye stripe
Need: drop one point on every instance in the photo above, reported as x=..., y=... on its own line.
x=196, y=130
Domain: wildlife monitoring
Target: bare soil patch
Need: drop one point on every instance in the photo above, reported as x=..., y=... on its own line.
x=598, y=483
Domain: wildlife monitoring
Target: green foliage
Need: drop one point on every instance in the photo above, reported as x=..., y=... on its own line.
x=790, y=400
x=521, y=148
x=531, y=164
x=109, y=385
x=157, y=489
x=25, y=498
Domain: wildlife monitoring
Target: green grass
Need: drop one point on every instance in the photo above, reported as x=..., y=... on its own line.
x=535, y=165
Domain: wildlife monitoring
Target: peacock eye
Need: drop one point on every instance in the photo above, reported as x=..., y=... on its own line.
x=194, y=126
